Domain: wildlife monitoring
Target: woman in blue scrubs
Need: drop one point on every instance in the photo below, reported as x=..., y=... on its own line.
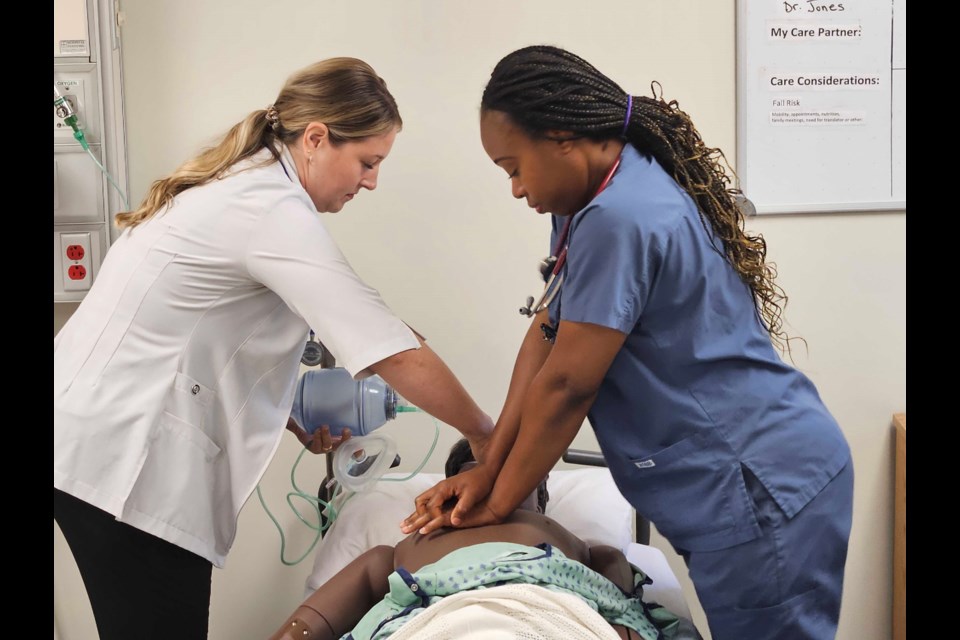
x=662, y=332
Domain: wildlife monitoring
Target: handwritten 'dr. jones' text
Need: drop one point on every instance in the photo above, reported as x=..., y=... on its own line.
x=813, y=6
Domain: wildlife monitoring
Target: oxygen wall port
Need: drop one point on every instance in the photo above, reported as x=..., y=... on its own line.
x=72, y=91
x=64, y=110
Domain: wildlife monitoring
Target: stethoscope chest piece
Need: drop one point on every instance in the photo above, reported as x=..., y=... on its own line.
x=546, y=267
x=527, y=310
x=314, y=354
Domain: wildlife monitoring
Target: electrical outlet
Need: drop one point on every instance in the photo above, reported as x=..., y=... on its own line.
x=76, y=272
x=75, y=252
x=75, y=256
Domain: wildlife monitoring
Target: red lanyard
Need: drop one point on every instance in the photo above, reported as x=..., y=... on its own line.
x=562, y=256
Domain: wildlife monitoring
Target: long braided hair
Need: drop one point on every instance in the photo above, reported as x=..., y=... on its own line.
x=545, y=88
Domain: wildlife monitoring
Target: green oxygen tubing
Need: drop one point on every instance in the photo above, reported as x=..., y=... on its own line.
x=64, y=110
x=347, y=465
x=331, y=396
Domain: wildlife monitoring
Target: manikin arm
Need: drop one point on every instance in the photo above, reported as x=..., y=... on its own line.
x=339, y=604
x=613, y=565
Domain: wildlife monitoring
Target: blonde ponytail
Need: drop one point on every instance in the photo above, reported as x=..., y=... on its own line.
x=345, y=94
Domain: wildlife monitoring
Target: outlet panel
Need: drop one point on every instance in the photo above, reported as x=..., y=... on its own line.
x=76, y=252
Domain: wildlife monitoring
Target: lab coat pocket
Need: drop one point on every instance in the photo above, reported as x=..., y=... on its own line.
x=189, y=400
x=685, y=488
x=188, y=433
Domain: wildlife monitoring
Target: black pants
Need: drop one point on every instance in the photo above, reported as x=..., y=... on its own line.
x=139, y=585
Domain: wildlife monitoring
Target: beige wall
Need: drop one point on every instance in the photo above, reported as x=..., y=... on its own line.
x=454, y=255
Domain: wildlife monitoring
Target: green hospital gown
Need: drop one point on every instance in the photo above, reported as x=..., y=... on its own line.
x=492, y=564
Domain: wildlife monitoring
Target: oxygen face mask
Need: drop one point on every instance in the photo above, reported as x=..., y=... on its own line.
x=359, y=462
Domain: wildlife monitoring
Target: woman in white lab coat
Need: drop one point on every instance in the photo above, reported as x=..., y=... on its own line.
x=174, y=378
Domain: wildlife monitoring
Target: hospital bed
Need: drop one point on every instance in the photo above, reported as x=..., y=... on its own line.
x=585, y=501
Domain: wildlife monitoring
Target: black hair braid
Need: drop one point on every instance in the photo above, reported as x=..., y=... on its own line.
x=544, y=89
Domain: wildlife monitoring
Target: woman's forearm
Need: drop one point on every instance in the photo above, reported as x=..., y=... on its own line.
x=422, y=378
x=552, y=415
x=533, y=353
x=553, y=408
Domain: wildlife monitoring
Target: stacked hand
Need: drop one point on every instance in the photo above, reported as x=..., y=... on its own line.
x=320, y=441
x=470, y=491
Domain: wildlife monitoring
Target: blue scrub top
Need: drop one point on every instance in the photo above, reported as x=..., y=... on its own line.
x=697, y=390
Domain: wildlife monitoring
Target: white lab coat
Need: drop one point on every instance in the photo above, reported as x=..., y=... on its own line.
x=174, y=378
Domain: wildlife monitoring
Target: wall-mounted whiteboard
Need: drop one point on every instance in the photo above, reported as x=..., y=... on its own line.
x=821, y=106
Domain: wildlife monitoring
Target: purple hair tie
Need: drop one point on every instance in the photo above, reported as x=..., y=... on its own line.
x=626, y=121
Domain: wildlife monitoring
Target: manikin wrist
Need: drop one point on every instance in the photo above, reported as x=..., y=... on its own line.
x=306, y=624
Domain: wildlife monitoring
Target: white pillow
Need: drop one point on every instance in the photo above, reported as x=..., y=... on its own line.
x=589, y=505
x=585, y=501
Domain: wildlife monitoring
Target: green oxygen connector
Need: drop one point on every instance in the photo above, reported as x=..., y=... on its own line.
x=408, y=409
x=78, y=135
x=65, y=111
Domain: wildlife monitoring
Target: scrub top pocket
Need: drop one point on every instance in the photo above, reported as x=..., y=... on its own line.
x=693, y=491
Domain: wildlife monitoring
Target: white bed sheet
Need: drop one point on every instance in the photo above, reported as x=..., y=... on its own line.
x=665, y=589
x=585, y=501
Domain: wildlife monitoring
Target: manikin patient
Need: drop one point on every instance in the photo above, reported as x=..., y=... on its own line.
x=385, y=588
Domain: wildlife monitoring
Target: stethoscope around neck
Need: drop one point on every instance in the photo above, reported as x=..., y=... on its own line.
x=551, y=268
